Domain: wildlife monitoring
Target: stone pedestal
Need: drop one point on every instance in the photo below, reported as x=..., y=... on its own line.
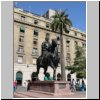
x=55, y=88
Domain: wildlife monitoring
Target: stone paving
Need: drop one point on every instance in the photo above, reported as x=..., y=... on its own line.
x=32, y=94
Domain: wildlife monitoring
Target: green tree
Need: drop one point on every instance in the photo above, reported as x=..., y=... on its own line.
x=79, y=66
x=61, y=23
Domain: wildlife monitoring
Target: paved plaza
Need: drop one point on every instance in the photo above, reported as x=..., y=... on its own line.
x=32, y=94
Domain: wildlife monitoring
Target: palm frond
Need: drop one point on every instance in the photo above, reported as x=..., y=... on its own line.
x=60, y=20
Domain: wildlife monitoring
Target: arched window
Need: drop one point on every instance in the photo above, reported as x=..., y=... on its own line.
x=34, y=76
x=69, y=77
x=19, y=77
x=58, y=77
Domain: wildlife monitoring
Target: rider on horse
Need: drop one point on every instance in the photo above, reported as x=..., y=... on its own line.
x=49, y=56
x=46, y=48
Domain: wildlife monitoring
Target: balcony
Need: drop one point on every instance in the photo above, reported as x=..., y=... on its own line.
x=20, y=51
x=22, y=34
x=21, y=43
x=32, y=24
x=35, y=37
x=35, y=54
x=68, y=50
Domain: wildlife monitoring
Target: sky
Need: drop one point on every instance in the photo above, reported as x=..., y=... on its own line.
x=75, y=10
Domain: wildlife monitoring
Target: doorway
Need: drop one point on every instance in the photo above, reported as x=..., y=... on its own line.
x=33, y=76
x=69, y=77
x=19, y=78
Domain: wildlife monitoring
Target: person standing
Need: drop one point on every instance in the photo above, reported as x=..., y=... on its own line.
x=28, y=85
x=15, y=85
x=83, y=86
x=73, y=86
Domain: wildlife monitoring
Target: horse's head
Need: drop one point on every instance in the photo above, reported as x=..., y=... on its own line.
x=54, y=42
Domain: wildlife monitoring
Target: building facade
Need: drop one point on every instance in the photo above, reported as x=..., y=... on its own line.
x=29, y=33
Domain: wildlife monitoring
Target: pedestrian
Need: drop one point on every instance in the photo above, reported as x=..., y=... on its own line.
x=28, y=85
x=45, y=78
x=78, y=82
x=15, y=85
x=73, y=85
x=83, y=86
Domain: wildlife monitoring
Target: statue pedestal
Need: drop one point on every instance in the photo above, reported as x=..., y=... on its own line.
x=55, y=88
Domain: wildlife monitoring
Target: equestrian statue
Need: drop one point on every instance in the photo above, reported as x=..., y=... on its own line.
x=49, y=56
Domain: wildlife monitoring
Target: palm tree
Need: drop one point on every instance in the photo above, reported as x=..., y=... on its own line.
x=61, y=24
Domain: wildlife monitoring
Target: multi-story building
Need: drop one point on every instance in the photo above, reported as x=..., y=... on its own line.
x=29, y=33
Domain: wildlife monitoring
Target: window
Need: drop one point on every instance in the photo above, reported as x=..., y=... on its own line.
x=21, y=39
x=68, y=48
x=20, y=59
x=47, y=34
x=58, y=38
x=21, y=49
x=82, y=35
x=68, y=56
x=68, y=41
x=35, y=33
x=35, y=42
x=22, y=18
x=83, y=44
x=34, y=50
x=36, y=21
x=34, y=61
x=75, y=34
x=69, y=77
x=68, y=59
x=22, y=29
x=47, y=25
x=58, y=77
x=76, y=43
x=68, y=62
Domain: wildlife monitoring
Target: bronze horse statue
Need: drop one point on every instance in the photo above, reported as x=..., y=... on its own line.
x=50, y=59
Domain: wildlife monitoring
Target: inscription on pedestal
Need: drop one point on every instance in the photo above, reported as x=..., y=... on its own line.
x=61, y=86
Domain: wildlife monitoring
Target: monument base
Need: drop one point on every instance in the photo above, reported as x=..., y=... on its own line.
x=55, y=88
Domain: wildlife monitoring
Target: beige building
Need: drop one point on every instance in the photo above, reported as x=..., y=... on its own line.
x=29, y=33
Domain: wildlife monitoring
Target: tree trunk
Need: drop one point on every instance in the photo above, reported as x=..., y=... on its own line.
x=63, y=77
